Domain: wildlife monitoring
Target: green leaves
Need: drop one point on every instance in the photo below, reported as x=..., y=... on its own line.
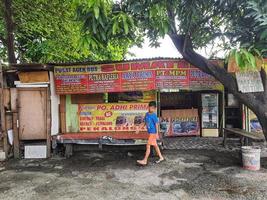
x=48, y=31
x=245, y=60
x=96, y=11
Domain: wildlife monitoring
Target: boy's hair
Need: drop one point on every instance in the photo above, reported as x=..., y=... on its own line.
x=152, y=104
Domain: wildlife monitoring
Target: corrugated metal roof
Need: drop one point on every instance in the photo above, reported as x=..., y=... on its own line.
x=50, y=66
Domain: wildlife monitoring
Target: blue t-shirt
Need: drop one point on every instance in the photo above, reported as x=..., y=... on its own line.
x=151, y=121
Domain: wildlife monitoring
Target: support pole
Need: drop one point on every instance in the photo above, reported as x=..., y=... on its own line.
x=14, y=110
x=2, y=112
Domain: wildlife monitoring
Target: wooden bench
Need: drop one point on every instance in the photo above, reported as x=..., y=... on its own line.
x=244, y=135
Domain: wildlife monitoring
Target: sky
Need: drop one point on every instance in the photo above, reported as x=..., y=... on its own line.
x=166, y=49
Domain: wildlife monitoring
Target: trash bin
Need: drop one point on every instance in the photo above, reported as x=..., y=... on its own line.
x=251, y=157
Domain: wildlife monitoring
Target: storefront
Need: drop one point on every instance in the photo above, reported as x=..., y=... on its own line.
x=109, y=100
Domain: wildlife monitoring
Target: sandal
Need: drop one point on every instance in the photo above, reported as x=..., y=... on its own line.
x=160, y=160
x=139, y=162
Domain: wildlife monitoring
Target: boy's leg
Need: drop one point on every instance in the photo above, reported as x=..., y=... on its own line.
x=144, y=161
x=158, y=152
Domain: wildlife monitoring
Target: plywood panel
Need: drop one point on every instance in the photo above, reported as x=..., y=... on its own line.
x=62, y=110
x=72, y=120
x=32, y=113
x=33, y=77
x=7, y=98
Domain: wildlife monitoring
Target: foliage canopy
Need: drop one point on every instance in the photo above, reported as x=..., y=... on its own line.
x=48, y=31
x=232, y=23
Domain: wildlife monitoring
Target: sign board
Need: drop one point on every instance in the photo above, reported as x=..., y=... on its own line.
x=111, y=117
x=249, y=81
x=132, y=76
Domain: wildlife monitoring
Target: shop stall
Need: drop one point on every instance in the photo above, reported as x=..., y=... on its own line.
x=106, y=102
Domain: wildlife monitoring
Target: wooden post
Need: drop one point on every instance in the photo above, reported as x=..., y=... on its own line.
x=2, y=111
x=14, y=110
x=48, y=123
x=62, y=111
x=223, y=112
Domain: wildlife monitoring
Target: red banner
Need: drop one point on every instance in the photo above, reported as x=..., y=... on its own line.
x=200, y=80
x=71, y=84
x=132, y=76
x=104, y=82
x=172, y=78
x=138, y=80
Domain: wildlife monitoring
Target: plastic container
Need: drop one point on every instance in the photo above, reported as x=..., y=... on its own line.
x=251, y=156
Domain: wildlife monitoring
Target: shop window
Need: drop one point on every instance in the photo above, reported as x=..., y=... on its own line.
x=87, y=98
x=181, y=100
x=135, y=96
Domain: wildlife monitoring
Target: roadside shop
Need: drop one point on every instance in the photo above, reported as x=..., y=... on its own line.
x=102, y=103
x=108, y=100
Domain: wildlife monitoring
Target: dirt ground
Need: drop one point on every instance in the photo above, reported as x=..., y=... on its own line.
x=114, y=175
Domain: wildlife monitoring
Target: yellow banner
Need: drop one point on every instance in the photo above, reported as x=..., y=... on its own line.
x=111, y=117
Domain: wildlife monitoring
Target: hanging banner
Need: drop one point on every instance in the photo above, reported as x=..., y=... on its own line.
x=111, y=117
x=249, y=81
x=132, y=76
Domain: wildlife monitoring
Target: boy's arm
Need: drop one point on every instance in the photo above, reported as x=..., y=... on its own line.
x=141, y=126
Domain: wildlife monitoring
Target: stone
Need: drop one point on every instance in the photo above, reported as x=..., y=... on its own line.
x=2, y=156
x=58, y=167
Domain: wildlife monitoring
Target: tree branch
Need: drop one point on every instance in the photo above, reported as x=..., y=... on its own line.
x=221, y=74
x=4, y=41
x=171, y=16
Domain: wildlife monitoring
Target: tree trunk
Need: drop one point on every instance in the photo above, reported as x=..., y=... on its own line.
x=257, y=102
x=7, y=4
x=263, y=121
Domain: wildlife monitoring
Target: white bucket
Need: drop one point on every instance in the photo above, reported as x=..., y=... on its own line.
x=251, y=157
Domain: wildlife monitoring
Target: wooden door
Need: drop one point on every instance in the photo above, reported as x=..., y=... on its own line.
x=33, y=107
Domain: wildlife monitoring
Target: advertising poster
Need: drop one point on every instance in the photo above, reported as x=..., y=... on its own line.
x=111, y=117
x=254, y=123
x=210, y=111
x=183, y=122
x=179, y=126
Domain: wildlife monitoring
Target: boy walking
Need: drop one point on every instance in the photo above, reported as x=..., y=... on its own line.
x=151, y=122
